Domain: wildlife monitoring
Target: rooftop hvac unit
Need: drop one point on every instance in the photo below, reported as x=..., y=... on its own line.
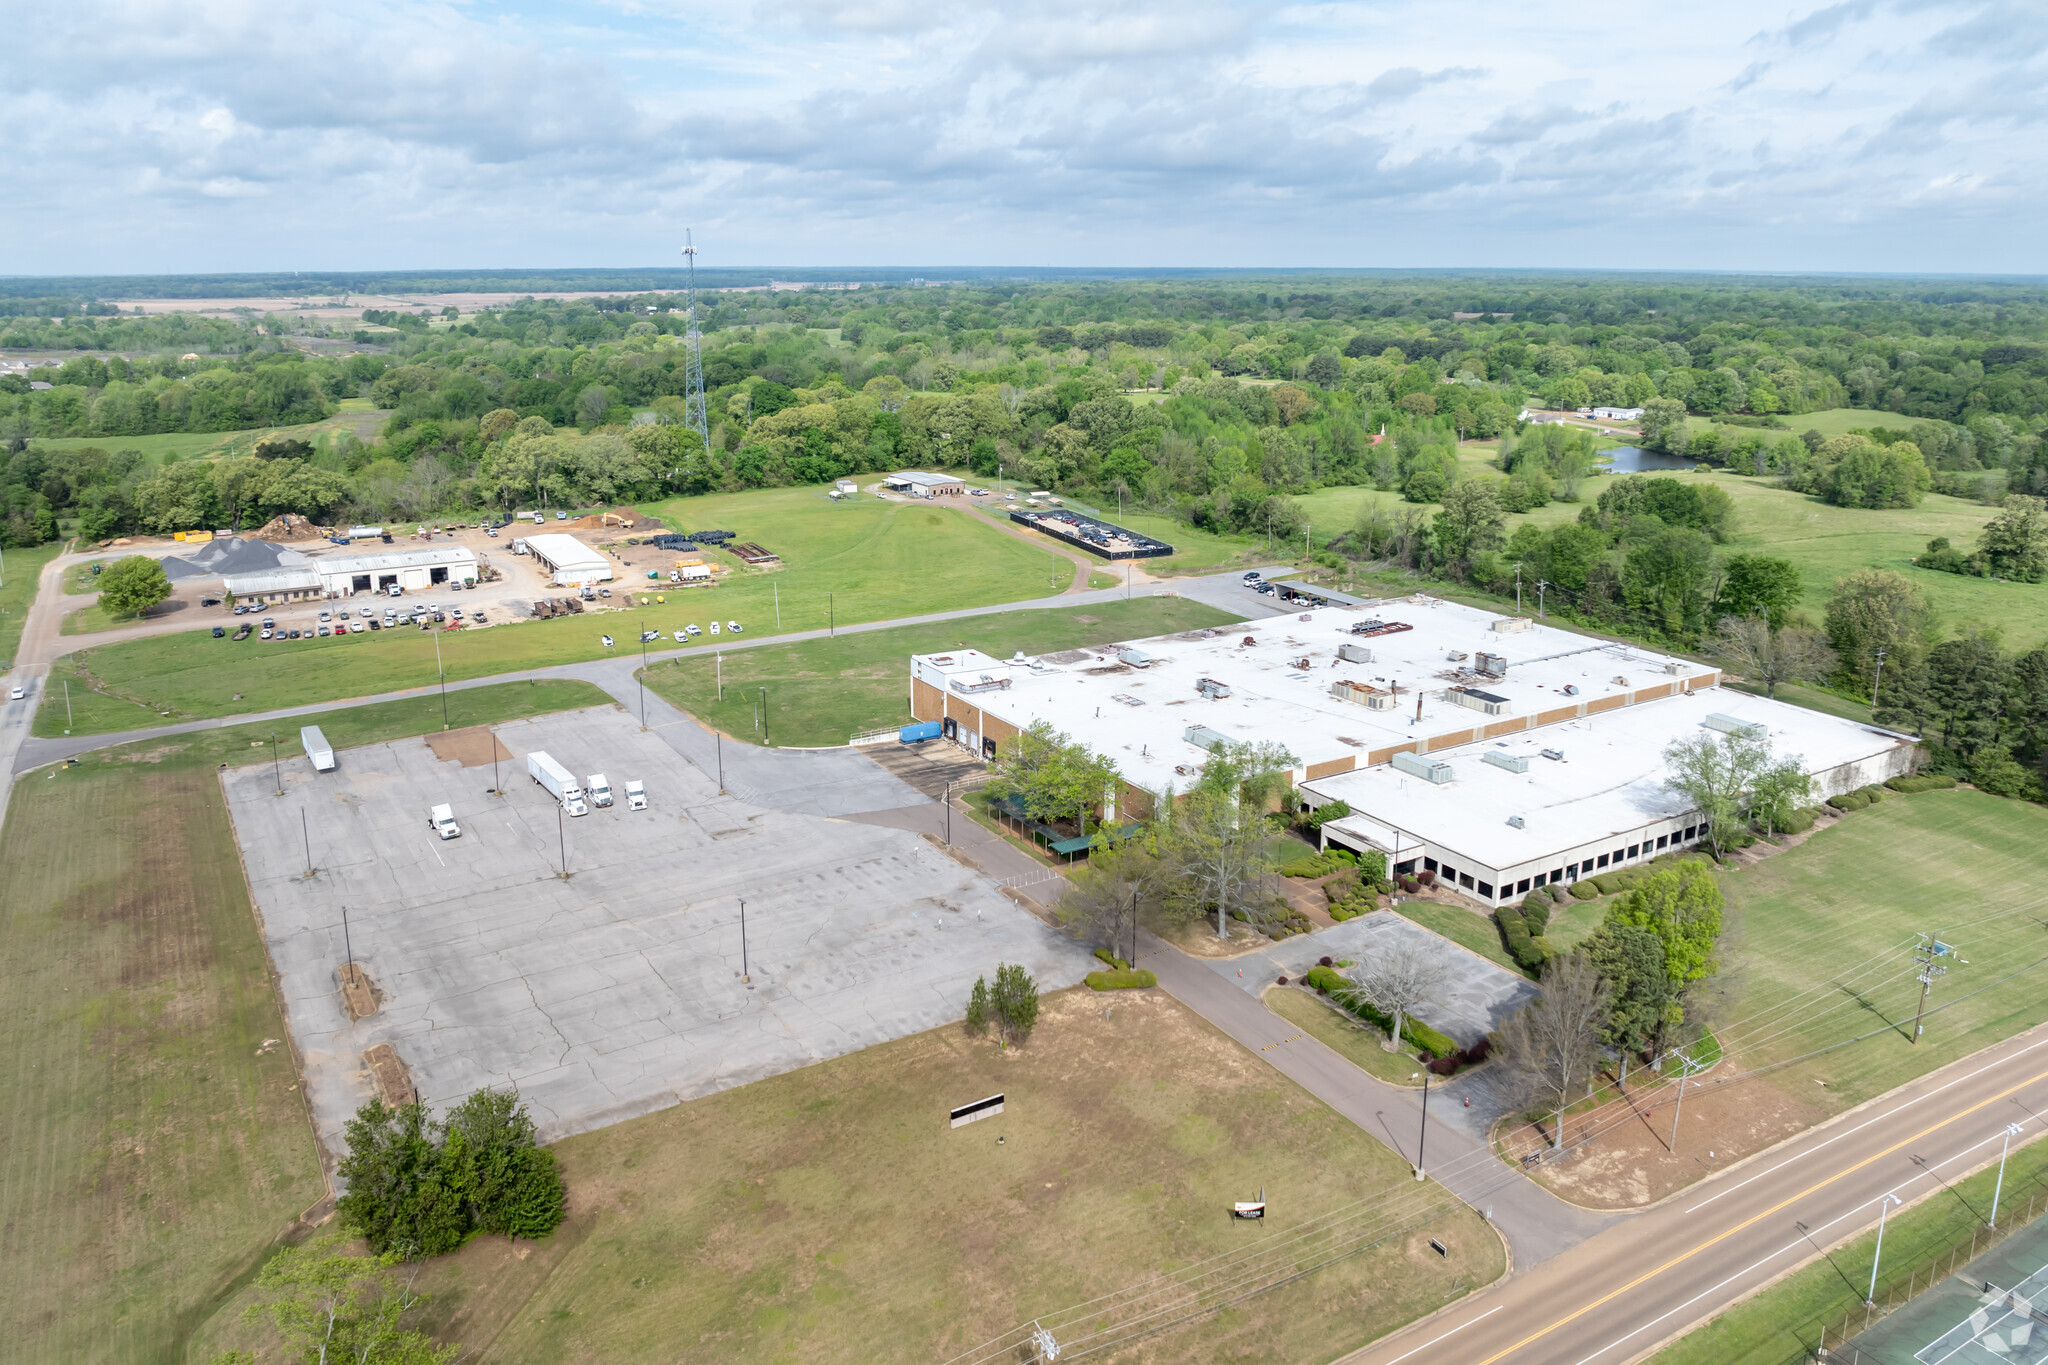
x=1213, y=690
x=1136, y=658
x=1428, y=769
x=1490, y=703
x=1202, y=737
x=1354, y=654
x=1491, y=665
x=1554, y=755
x=1512, y=625
x=1514, y=763
x=1517, y=822
x=981, y=682
x=1364, y=694
x=1729, y=725
x=1674, y=667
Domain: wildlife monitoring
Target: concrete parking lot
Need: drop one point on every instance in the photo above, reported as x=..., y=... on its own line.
x=617, y=990
x=1475, y=998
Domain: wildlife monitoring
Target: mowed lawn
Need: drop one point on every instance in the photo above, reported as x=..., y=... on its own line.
x=831, y=1216
x=822, y=691
x=1817, y=946
x=877, y=560
x=153, y=1142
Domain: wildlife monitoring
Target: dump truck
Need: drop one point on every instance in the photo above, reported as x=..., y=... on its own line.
x=552, y=775
x=317, y=749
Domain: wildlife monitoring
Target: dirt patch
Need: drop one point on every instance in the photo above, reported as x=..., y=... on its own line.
x=1199, y=940
x=288, y=528
x=359, y=995
x=1630, y=1162
x=394, y=1082
x=474, y=747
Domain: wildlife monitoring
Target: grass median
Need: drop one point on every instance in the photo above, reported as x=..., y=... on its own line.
x=822, y=691
x=152, y=1139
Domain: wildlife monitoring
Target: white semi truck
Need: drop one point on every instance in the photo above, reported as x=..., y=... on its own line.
x=600, y=791
x=557, y=780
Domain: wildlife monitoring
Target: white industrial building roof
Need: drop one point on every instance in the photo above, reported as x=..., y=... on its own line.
x=1138, y=716
x=560, y=550
x=271, y=580
x=1609, y=782
x=918, y=478
x=425, y=556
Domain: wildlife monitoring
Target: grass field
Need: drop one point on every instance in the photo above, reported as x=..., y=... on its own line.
x=1460, y=926
x=354, y=415
x=829, y=1215
x=1783, y=1323
x=17, y=590
x=1818, y=945
x=821, y=691
x=1360, y=1044
x=151, y=1145
x=877, y=559
x=1828, y=422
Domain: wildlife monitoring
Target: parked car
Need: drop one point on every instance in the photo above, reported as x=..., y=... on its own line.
x=326, y=631
x=242, y=631
x=268, y=633
x=681, y=638
x=647, y=635
x=1253, y=577
x=714, y=627
x=607, y=640
x=491, y=531
x=326, y=615
x=735, y=627
x=269, y=623
x=477, y=619
x=219, y=631
x=561, y=516
x=209, y=601
x=604, y=592
x=375, y=624
x=1264, y=589
x=636, y=795
x=17, y=694
x=355, y=627
x=692, y=629
x=241, y=608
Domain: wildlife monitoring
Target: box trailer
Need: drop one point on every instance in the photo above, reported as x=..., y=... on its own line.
x=553, y=776
x=317, y=749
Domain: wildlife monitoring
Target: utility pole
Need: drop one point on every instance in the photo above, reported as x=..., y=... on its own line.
x=276, y=770
x=721, y=674
x=67, y=706
x=2012, y=1130
x=1686, y=1067
x=778, y=604
x=947, y=801
x=718, y=739
x=347, y=944
x=1876, y=682
x=1541, y=585
x=1927, y=957
x=495, y=789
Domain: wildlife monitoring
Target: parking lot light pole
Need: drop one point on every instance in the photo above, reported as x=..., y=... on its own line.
x=642, y=676
x=718, y=739
x=1884, y=1206
x=764, y=719
x=561, y=841
x=346, y=944
x=275, y=769
x=496, y=790
x=2012, y=1130
x=1422, y=1133
x=746, y=973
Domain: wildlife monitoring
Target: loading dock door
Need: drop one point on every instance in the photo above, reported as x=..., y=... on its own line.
x=951, y=728
x=385, y=580
x=359, y=583
x=437, y=576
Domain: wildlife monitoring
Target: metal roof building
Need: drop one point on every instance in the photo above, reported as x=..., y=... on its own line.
x=569, y=560
x=428, y=566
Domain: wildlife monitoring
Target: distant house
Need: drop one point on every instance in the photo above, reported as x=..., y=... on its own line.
x=1618, y=414
x=39, y=384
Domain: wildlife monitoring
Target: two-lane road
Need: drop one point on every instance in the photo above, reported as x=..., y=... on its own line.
x=1618, y=1295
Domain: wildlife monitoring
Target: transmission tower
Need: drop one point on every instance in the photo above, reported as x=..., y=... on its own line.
x=694, y=414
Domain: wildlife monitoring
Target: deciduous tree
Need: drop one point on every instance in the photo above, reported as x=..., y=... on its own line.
x=1551, y=1045
x=1395, y=977
x=132, y=585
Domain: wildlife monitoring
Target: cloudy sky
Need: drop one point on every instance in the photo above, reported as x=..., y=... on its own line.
x=176, y=135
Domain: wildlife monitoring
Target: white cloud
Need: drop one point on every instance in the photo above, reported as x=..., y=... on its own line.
x=1873, y=134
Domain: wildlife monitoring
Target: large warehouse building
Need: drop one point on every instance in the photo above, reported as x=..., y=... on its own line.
x=1494, y=751
x=340, y=575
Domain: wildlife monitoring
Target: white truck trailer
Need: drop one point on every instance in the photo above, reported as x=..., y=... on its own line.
x=557, y=780
x=317, y=749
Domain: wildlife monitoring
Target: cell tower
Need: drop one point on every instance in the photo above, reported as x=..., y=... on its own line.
x=694, y=414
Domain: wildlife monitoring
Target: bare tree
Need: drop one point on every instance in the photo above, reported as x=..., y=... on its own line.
x=1552, y=1044
x=1109, y=891
x=1396, y=977
x=1790, y=654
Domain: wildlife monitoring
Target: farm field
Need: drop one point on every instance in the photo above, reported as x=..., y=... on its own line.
x=17, y=590
x=356, y=415
x=879, y=556
x=821, y=691
x=152, y=1140
x=1828, y=422
x=812, y=1215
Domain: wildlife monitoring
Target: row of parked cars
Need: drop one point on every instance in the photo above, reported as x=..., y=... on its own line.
x=425, y=617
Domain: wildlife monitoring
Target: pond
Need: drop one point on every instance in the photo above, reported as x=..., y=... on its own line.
x=1636, y=460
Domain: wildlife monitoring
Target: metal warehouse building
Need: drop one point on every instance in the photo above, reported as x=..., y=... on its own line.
x=341, y=575
x=569, y=560
x=1496, y=752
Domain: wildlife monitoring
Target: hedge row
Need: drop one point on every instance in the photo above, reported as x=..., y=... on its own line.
x=1332, y=983
x=1928, y=783
x=1858, y=799
x=1123, y=979
x=1112, y=960
x=1320, y=864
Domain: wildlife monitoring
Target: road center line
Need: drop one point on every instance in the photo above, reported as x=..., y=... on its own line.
x=1756, y=1218
x=1875, y=1118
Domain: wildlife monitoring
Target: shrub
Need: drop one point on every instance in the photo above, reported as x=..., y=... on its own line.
x=1801, y=820
x=1324, y=977
x=1104, y=954
x=1283, y=980
x=1609, y=883
x=1873, y=791
x=1426, y=878
x=1323, y=962
x=1123, y=979
x=1558, y=893
x=1445, y=1066
x=1428, y=1039
x=1849, y=801
x=1384, y=887
x=1584, y=891
x=1340, y=888
x=1536, y=911
x=1927, y=782
x=1515, y=936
